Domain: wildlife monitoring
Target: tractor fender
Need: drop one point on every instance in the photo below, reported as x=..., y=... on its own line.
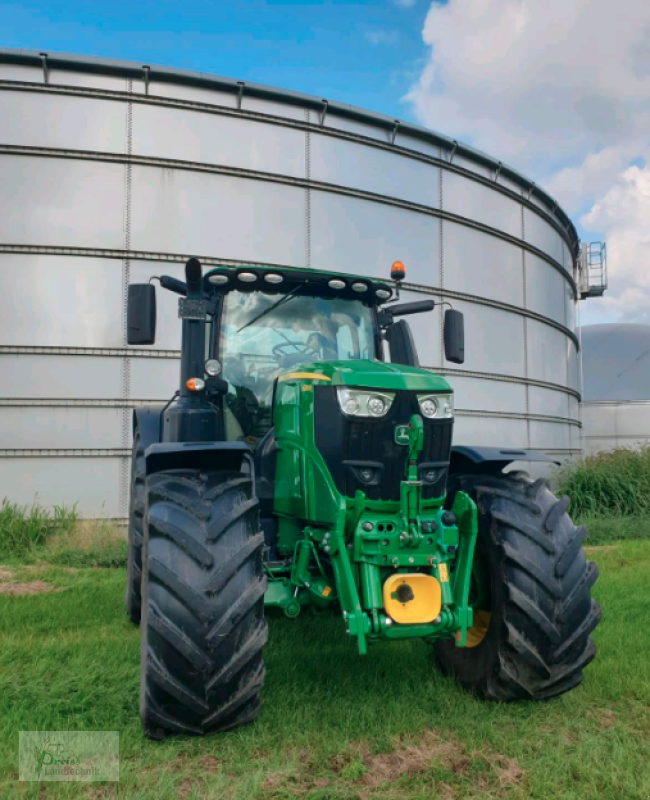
x=147, y=421
x=160, y=456
x=491, y=460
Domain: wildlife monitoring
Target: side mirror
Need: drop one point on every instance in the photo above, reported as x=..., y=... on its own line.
x=454, y=336
x=401, y=344
x=141, y=314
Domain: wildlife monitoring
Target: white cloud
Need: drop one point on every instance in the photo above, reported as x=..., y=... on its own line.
x=623, y=216
x=381, y=36
x=537, y=82
x=559, y=89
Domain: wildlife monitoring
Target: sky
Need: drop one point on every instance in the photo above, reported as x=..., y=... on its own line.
x=558, y=89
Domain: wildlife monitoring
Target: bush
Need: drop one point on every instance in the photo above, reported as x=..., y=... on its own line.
x=25, y=528
x=614, y=483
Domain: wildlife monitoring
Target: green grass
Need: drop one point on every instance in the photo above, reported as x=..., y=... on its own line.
x=610, y=483
x=333, y=726
x=33, y=534
x=24, y=529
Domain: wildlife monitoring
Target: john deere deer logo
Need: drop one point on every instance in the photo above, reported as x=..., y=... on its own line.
x=402, y=434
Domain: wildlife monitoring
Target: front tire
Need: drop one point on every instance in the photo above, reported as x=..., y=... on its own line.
x=203, y=624
x=534, y=639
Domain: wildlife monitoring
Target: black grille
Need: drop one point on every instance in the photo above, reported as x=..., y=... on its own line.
x=350, y=447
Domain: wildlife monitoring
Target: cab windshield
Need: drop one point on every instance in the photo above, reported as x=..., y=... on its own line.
x=263, y=335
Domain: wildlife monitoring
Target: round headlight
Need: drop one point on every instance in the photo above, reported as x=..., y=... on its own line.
x=336, y=284
x=351, y=405
x=218, y=279
x=212, y=367
x=377, y=406
x=247, y=277
x=429, y=407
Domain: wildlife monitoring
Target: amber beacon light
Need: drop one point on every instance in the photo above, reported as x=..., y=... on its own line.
x=397, y=271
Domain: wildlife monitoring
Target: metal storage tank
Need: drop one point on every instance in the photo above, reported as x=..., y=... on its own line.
x=113, y=172
x=616, y=366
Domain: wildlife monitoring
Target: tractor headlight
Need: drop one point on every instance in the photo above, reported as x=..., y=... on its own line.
x=357, y=403
x=436, y=405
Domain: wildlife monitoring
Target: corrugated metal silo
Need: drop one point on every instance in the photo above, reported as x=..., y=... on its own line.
x=113, y=172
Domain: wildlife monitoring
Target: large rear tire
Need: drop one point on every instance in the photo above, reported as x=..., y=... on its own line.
x=203, y=626
x=534, y=639
x=132, y=599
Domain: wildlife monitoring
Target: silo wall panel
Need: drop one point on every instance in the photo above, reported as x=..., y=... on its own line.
x=178, y=211
x=548, y=402
x=548, y=435
x=56, y=376
x=348, y=234
x=488, y=395
x=371, y=169
x=154, y=379
x=20, y=72
x=79, y=301
x=539, y=233
x=547, y=353
x=191, y=94
x=60, y=428
x=489, y=331
x=472, y=200
x=61, y=202
x=70, y=123
x=484, y=431
x=545, y=288
x=218, y=140
x=470, y=260
x=92, y=483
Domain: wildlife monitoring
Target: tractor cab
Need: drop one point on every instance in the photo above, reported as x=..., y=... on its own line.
x=268, y=323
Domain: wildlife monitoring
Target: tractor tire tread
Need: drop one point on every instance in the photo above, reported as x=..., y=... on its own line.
x=539, y=637
x=203, y=604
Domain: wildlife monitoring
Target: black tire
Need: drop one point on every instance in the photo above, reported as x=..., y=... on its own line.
x=538, y=636
x=132, y=600
x=203, y=626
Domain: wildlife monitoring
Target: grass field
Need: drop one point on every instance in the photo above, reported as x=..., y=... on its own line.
x=333, y=725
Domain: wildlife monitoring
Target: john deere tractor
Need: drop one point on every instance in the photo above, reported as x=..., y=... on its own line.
x=306, y=463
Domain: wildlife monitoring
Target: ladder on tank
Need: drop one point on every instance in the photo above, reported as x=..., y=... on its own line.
x=593, y=269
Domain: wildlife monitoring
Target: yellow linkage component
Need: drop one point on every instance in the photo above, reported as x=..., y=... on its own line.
x=314, y=376
x=477, y=632
x=412, y=598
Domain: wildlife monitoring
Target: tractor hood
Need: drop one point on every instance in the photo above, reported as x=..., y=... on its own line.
x=368, y=374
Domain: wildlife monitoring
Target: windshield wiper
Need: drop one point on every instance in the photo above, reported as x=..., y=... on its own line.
x=275, y=305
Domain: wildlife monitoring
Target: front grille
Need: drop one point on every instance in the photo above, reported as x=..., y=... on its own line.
x=372, y=442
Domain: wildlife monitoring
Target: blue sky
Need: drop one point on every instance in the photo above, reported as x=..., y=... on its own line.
x=364, y=53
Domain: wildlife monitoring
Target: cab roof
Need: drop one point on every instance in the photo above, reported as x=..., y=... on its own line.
x=288, y=279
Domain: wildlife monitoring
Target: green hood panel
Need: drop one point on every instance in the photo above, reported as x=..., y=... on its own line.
x=372, y=375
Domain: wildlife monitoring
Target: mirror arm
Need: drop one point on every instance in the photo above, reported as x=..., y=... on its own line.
x=173, y=285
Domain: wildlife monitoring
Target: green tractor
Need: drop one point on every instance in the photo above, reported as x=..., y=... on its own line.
x=306, y=463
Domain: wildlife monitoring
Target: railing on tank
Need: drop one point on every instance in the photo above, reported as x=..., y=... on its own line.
x=592, y=265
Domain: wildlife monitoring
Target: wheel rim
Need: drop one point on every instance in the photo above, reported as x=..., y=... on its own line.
x=480, y=600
